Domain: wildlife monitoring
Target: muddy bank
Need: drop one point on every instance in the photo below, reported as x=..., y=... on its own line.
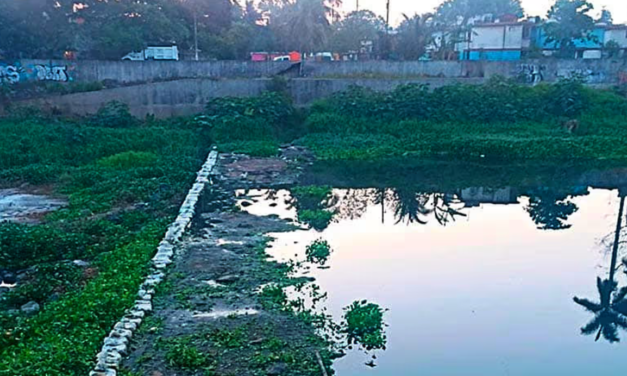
x=222, y=309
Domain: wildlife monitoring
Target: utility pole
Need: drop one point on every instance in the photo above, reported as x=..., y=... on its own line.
x=195, y=35
x=387, y=17
x=357, y=5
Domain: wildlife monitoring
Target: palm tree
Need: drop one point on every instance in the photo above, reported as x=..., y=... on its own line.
x=443, y=209
x=415, y=34
x=610, y=313
x=306, y=24
x=410, y=206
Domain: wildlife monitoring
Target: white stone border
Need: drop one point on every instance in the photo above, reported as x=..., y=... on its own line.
x=116, y=343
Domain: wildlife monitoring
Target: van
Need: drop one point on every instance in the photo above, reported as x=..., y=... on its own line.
x=154, y=53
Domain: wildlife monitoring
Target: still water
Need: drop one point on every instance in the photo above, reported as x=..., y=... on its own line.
x=479, y=281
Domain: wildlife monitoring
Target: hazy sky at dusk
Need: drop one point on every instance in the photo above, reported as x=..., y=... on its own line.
x=532, y=7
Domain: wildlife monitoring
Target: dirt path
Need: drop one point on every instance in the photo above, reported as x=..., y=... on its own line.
x=213, y=315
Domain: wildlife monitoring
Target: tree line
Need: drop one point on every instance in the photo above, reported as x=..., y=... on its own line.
x=231, y=29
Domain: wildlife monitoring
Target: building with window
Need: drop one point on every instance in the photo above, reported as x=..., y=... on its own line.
x=508, y=41
x=498, y=41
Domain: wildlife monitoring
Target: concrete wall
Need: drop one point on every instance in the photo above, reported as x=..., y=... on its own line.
x=189, y=96
x=162, y=99
x=129, y=72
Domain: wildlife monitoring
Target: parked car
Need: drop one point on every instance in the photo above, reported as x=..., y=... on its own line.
x=282, y=58
x=154, y=53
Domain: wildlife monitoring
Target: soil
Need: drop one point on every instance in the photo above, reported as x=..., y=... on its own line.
x=209, y=317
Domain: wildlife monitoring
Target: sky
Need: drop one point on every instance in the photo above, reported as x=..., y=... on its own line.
x=532, y=7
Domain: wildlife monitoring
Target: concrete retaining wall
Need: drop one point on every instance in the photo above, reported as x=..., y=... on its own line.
x=189, y=96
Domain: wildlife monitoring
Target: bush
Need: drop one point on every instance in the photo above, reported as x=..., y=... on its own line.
x=363, y=324
x=129, y=159
x=318, y=252
x=113, y=114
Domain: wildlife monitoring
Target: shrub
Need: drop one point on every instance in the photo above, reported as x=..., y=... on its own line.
x=185, y=356
x=363, y=325
x=318, y=252
x=129, y=159
x=113, y=114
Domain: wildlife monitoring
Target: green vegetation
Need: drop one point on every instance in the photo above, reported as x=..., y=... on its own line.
x=314, y=205
x=124, y=185
x=498, y=121
x=364, y=325
x=253, y=126
x=318, y=252
x=185, y=356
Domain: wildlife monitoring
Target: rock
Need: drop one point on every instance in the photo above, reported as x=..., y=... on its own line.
x=229, y=278
x=257, y=341
x=9, y=278
x=246, y=203
x=115, y=218
x=276, y=369
x=274, y=205
x=81, y=263
x=30, y=308
x=54, y=297
x=4, y=290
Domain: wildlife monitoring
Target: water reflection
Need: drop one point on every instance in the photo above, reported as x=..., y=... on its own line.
x=610, y=312
x=478, y=280
x=550, y=208
x=317, y=207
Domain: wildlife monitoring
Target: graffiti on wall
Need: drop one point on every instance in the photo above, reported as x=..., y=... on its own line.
x=51, y=73
x=16, y=73
x=532, y=73
x=585, y=75
x=10, y=74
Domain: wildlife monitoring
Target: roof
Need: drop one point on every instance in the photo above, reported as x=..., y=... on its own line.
x=615, y=27
x=499, y=24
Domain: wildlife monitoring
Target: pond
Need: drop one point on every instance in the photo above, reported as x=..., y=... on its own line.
x=476, y=280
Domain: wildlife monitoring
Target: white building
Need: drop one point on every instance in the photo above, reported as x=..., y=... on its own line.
x=499, y=41
x=618, y=34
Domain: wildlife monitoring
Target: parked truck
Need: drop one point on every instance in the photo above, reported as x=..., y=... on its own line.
x=154, y=53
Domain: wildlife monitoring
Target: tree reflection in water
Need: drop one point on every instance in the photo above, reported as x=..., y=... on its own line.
x=550, y=209
x=610, y=313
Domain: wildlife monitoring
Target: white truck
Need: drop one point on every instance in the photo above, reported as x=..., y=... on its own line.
x=154, y=53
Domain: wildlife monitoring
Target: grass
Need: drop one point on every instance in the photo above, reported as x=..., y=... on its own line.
x=124, y=186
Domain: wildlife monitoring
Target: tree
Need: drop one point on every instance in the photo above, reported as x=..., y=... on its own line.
x=568, y=22
x=356, y=28
x=415, y=34
x=610, y=313
x=302, y=25
x=36, y=28
x=460, y=12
